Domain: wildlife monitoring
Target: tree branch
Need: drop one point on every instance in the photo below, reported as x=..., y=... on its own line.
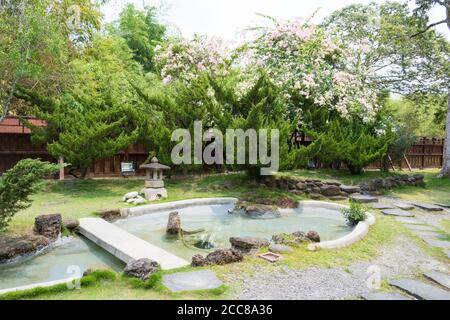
x=429, y=27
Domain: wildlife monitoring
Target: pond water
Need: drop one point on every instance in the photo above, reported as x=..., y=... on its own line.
x=218, y=227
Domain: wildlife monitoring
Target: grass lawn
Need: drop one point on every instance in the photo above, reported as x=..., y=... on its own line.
x=76, y=199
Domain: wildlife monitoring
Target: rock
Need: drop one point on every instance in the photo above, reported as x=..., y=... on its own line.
x=316, y=196
x=403, y=206
x=280, y=248
x=130, y=195
x=261, y=211
x=191, y=281
x=398, y=213
x=71, y=224
x=330, y=190
x=381, y=206
x=438, y=243
x=313, y=236
x=224, y=256
x=199, y=261
x=359, y=198
x=301, y=186
x=338, y=198
x=290, y=239
x=420, y=290
x=247, y=244
x=88, y=272
x=351, y=189
x=443, y=205
x=141, y=268
x=110, y=215
x=12, y=247
x=428, y=207
x=139, y=200
x=48, y=225
x=174, y=223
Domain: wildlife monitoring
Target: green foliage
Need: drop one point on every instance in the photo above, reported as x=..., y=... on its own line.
x=86, y=281
x=18, y=183
x=154, y=281
x=355, y=144
x=401, y=142
x=142, y=33
x=355, y=213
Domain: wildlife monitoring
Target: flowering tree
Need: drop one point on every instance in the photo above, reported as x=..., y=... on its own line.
x=182, y=59
x=310, y=69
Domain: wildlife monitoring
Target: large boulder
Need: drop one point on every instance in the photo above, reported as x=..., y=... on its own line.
x=48, y=226
x=351, y=189
x=330, y=190
x=199, y=261
x=247, y=244
x=13, y=247
x=224, y=256
x=174, y=224
x=261, y=211
x=313, y=236
x=141, y=268
x=280, y=248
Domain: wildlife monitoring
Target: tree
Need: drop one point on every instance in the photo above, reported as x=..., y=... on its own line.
x=423, y=6
x=18, y=183
x=142, y=33
x=38, y=42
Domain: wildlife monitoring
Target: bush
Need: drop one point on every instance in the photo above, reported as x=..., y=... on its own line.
x=355, y=214
x=153, y=281
x=18, y=183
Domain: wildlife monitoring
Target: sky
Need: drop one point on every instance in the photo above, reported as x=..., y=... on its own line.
x=226, y=18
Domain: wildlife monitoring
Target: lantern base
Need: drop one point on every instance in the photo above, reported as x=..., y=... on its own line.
x=154, y=184
x=153, y=194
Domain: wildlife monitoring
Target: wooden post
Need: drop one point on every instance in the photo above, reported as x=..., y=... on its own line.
x=61, y=168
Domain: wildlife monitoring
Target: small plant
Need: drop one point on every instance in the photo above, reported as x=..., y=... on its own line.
x=355, y=214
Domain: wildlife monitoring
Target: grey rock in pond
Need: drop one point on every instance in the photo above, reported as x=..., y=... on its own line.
x=174, y=223
x=404, y=206
x=249, y=243
x=141, y=268
x=191, y=281
x=420, y=290
x=261, y=211
x=313, y=236
x=360, y=198
x=397, y=213
x=438, y=243
x=279, y=248
x=428, y=207
x=48, y=225
x=351, y=189
x=438, y=277
x=385, y=296
x=12, y=247
x=381, y=206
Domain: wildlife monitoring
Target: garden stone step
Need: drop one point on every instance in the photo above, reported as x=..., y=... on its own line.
x=427, y=234
x=420, y=228
x=351, y=189
x=447, y=252
x=385, y=296
x=397, y=213
x=360, y=198
x=191, y=281
x=409, y=221
x=428, y=207
x=443, y=205
x=440, y=278
x=420, y=290
x=381, y=206
x=438, y=243
x=404, y=206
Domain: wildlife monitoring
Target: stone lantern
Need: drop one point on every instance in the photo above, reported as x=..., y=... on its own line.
x=154, y=183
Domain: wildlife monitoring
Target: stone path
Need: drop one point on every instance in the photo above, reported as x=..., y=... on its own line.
x=385, y=296
x=398, y=213
x=404, y=206
x=381, y=206
x=428, y=207
x=360, y=198
x=191, y=281
x=438, y=277
x=420, y=290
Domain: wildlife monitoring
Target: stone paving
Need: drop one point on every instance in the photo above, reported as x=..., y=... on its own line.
x=420, y=290
x=398, y=213
x=191, y=281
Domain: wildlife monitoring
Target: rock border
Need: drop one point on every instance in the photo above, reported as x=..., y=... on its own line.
x=360, y=231
x=174, y=205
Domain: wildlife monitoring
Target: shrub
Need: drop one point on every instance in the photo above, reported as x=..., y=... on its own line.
x=18, y=183
x=355, y=214
x=152, y=282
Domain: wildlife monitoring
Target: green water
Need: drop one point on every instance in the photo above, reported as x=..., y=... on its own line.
x=219, y=226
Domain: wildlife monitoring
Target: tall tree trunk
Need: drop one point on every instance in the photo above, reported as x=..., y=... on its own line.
x=446, y=161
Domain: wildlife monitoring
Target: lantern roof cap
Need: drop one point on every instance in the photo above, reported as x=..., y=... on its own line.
x=154, y=164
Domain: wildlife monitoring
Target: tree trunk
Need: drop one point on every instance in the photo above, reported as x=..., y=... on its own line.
x=83, y=172
x=446, y=159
